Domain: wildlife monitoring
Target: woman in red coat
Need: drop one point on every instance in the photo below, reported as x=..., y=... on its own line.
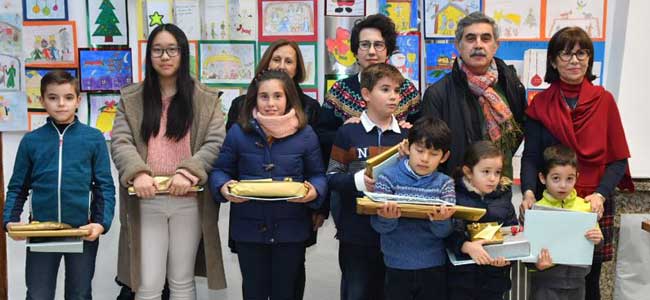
x=584, y=117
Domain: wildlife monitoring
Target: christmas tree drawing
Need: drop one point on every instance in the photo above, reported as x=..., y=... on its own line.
x=106, y=21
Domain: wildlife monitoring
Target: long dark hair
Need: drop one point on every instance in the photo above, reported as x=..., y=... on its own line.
x=180, y=113
x=293, y=100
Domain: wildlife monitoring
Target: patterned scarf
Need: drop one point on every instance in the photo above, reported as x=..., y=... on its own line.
x=501, y=126
x=278, y=126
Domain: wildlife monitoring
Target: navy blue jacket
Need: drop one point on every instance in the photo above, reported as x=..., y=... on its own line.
x=499, y=209
x=62, y=169
x=246, y=156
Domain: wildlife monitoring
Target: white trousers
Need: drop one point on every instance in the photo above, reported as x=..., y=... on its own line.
x=170, y=236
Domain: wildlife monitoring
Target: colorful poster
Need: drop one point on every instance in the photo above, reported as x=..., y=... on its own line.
x=407, y=57
x=345, y=8
x=187, y=16
x=36, y=119
x=516, y=19
x=240, y=23
x=33, y=86
x=107, y=22
x=44, y=10
x=404, y=13
x=11, y=28
x=586, y=14
x=101, y=112
x=439, y=60
x=339, y=58
x=104, y=69
x=227, y=62
x=441, y=16
x=13, y=111
x=50, y=44
x=294, y=20
x=10, y=73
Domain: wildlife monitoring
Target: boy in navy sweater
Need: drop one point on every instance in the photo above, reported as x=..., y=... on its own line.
x=62, y=162
x=360, y=257
x=414, y=250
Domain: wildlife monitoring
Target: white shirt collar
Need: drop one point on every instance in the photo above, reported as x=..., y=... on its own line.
x=368, y=125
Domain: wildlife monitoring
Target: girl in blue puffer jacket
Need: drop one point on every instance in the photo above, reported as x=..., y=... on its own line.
x=270, y=140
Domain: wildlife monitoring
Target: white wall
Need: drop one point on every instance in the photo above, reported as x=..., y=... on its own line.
x=631, y=54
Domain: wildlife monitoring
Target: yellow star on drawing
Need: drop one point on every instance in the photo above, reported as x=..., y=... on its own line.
x=155, y=19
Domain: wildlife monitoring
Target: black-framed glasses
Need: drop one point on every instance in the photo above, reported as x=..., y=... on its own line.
x=581, y=55
x=171, y=51
x=378, y=45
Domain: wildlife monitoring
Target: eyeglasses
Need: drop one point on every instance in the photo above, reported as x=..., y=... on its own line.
x=171, y=52
x=378, y=45
x=581, y=55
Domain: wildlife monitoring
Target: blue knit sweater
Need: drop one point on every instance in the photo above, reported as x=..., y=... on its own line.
x=411, y=244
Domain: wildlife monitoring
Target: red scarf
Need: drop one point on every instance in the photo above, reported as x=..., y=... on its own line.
x=593, y=130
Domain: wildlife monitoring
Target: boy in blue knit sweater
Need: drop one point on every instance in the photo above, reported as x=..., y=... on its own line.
x=62, y=163
x=360, y=258
x=414, y=250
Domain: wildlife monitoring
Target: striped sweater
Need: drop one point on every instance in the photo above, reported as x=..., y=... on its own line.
x=411, y=244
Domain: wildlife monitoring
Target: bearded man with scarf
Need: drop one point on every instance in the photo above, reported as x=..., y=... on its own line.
x=482, y=98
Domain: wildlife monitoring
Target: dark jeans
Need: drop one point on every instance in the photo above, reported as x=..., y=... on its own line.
x=270, y=270
x=363, y=272
x=473, y=294
x=422, y=284
x=593, y=282
x=42, y=268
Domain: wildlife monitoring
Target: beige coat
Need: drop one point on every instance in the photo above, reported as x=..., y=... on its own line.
x=129, y=152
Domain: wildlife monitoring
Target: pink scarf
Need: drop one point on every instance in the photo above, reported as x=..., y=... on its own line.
x=278, y=126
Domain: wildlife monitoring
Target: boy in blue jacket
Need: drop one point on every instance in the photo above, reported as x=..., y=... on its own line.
x=414, y=250
x=62, y=163
x=360, y=257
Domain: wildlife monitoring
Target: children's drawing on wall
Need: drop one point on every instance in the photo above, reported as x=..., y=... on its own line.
x=11, y=27
x=439, y=61
x=107, y=22
x=33, y=86
x=516, y=19
x=288, y=18
x=407, y=58
x=158, y=12
x=36, y=119
x=9, y=73
x=187, y=16
x=534, y=69
x=102, y=110
x=243, y=20
x=215, y=22
x=339, y=58
x=45, y=10
x=345, y=8
x=104, y=69
x=228, y=94
x=229, y=63
x=586, y=14
x=50, y=44
x=13, y=111
x=442, y=16
x=402, y=12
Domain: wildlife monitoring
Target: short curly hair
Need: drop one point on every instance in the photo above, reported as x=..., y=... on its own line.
x=380, y=22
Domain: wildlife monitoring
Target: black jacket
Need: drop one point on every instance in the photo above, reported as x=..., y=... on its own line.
x=451, y=100
x=310, y=106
